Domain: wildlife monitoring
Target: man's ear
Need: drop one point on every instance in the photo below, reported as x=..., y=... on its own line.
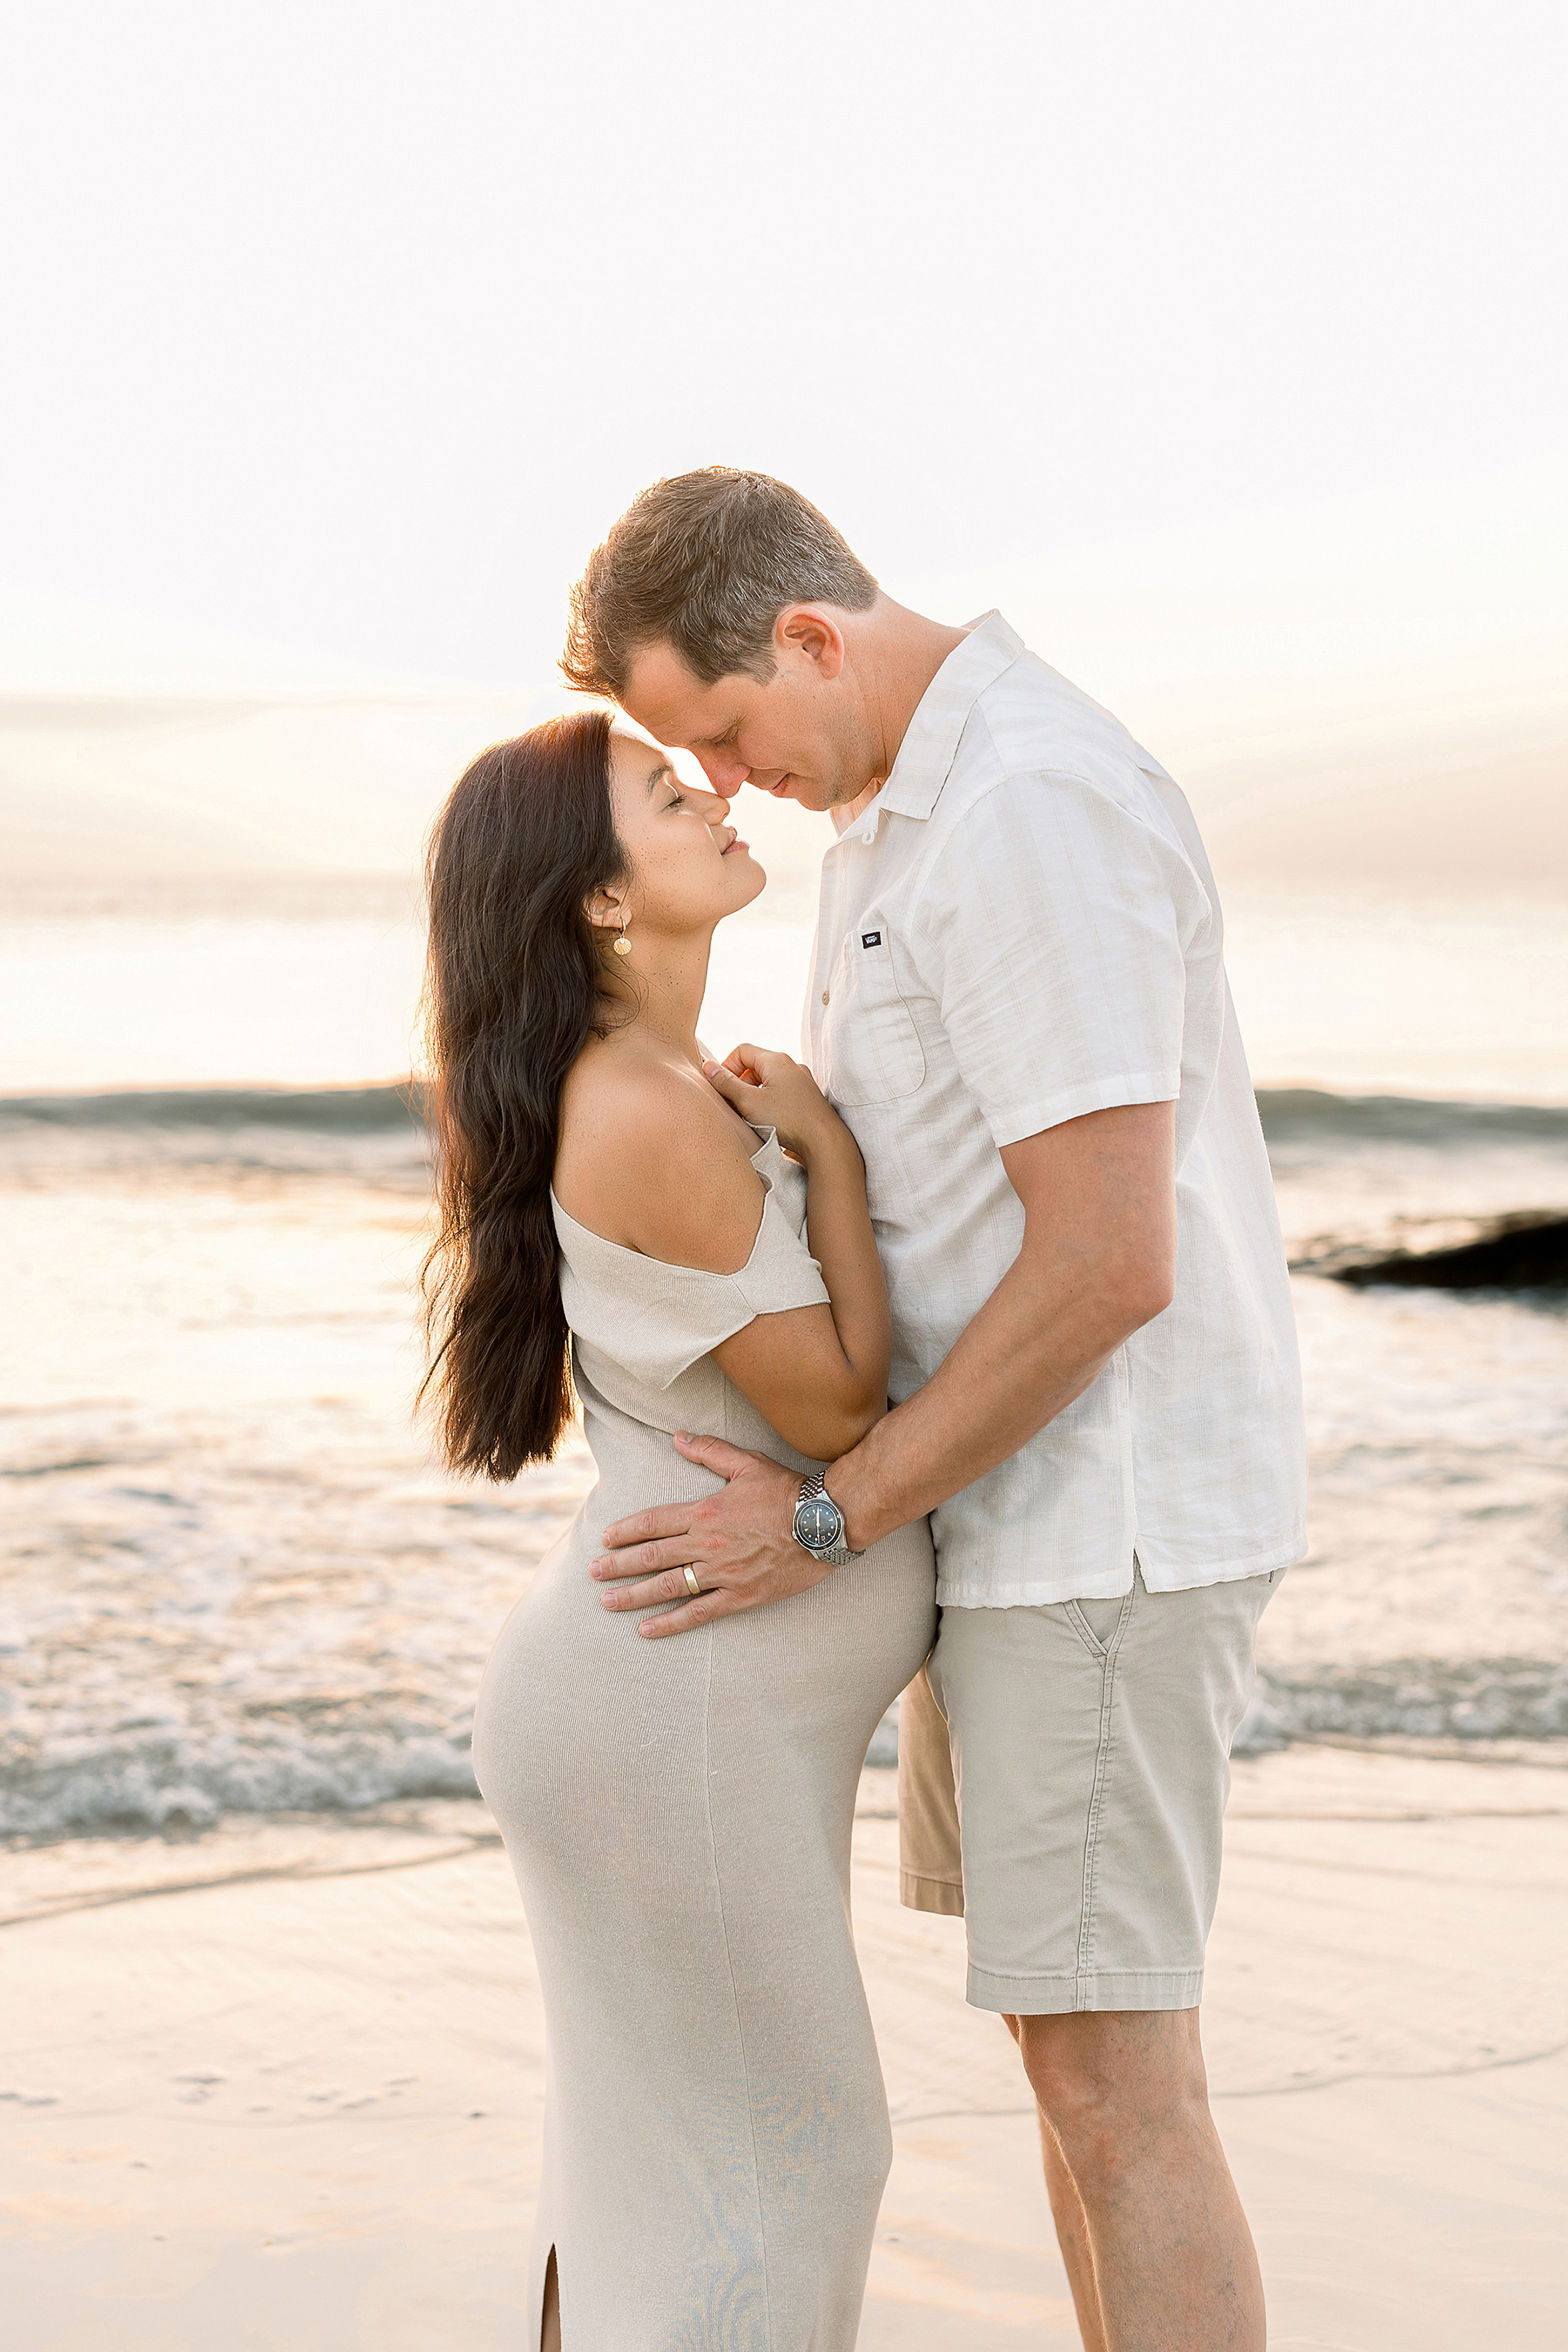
x=810, y=630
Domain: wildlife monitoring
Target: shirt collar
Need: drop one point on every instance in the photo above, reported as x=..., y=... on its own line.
x=931, y=741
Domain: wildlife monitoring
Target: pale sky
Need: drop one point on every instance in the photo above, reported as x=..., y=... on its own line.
x=1224, y=347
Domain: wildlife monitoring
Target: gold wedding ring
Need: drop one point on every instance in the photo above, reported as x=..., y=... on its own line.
x=692, y=1586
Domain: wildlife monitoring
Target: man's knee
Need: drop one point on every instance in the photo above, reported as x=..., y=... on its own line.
x=1118, y=2076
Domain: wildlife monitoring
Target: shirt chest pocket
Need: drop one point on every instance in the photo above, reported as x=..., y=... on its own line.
x=872, y=1047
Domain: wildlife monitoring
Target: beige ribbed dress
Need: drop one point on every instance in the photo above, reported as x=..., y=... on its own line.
x=679, y=1816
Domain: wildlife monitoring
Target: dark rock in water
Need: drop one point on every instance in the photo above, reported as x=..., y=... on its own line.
x=1526, y=1251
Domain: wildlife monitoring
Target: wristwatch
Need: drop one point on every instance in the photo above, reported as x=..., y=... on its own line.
x=819, y=1523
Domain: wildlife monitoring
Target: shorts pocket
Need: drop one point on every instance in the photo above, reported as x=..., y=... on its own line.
x=1101, y=1634
x=872, y=1046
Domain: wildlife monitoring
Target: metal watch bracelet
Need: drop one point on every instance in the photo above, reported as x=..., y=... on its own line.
x=814, y=1491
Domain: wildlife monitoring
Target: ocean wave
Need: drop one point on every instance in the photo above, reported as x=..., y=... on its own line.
x=1289, y=1114
x=336, y=1110
x=1426, y=1698
x=161, y=1782
x=1294, y=1114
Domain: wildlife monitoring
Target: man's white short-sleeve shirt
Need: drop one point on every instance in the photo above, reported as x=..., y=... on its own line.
x=1020, y=929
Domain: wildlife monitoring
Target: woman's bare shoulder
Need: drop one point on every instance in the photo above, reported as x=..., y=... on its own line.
x=650, y=1156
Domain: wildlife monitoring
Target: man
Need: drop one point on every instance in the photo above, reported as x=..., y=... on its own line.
x=1019, y=1007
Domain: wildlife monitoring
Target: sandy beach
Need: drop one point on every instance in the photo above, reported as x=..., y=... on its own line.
x=282, y=2083
x=1203, y=608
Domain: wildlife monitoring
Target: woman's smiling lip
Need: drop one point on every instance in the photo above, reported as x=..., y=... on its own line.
x=734, y=842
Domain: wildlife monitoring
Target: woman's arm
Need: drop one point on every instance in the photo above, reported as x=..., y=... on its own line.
x=821, y=1389
x=650, y=1159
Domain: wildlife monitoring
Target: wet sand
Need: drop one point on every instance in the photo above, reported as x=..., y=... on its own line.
x=281, y=2084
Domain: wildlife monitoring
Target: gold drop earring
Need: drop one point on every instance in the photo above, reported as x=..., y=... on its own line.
x=623, y=945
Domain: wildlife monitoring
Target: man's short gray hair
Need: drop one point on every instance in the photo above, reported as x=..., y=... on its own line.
x=706, y=562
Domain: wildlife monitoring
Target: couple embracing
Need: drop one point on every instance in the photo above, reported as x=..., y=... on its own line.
x=956, y=1360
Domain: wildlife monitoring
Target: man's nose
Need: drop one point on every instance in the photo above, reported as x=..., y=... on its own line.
x=726, y=776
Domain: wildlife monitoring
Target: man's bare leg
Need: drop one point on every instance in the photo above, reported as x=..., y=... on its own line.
x=1072, y=2228
x=1072, y=2237
x=1172, y=2264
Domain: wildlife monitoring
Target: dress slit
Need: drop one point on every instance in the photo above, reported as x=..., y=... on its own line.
x=552, y=2279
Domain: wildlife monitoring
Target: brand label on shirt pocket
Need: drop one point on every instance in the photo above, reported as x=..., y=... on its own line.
x=873, y=1050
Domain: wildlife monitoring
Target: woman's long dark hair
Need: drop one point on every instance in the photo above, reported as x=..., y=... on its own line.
x=512, y=992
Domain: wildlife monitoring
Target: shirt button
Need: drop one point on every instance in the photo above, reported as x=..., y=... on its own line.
x=825, y=996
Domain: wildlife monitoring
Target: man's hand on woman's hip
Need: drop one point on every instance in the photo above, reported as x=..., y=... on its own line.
x=739, y=1543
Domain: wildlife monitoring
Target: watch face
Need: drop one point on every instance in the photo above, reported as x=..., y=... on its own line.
x=817, y=1525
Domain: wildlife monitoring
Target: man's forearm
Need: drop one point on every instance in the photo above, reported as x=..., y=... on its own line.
x=1041, y=1338
x=1097, y=1260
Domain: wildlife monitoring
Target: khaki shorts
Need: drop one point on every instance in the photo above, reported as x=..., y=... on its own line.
x=1063, y=1774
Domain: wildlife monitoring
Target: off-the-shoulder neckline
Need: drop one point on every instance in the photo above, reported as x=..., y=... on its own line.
x=770, y=1142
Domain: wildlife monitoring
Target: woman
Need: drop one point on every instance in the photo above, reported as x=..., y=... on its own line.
x=677, y=1811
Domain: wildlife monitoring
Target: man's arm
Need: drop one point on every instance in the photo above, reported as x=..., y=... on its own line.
x=1098, y=1261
